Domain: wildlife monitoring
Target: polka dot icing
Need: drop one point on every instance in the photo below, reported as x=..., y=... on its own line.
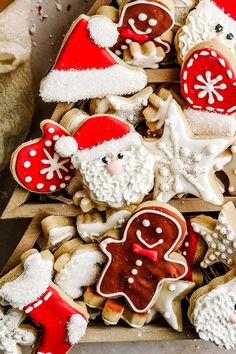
x=158, y=230
x=27, y=164
x=28, y=179
x=51, y=130
x=32, y=153
x=146, y=223
x=48, y=143
x=139, y=263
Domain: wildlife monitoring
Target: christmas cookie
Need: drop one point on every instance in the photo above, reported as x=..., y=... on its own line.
x=220, y=236
x=211, y=20
x=147, y=248
x=72, y=119
x=109, y=150
x=56, y=230
x=168, y=302
x=129, y=109
x=78, y=269
x=86, y=68
x=37, y=167
x=184, y=164
x=230, y=170
x=82, y=199
x=182, y=8
x=212, y=311
x=14, y=334
x=28, y=287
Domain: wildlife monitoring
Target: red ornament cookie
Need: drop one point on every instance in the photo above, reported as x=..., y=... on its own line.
x=208, y=79
x=145, y=256
x=37, y=167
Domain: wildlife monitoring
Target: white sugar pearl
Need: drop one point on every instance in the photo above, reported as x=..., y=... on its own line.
x=51, y=130
x=52, y=188
x=128, y=41
x=28, y=179
x=146, y=223
x=158, y=230
x=48, y=143
x=184, y=253
x=134, y=271
x=142, y=17
x=32, y=153
x=130, y=280
x=138, y=262
x=62, y=185
x=27, y=164
x=40, y=185
x=152, y=22
x=56, y=137
x=186, y=244
x=172, y=287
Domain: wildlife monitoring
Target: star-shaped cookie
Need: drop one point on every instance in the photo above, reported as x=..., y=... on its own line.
x=230, y=170
x=184, y=164
x=220, y=236
x=168, y=302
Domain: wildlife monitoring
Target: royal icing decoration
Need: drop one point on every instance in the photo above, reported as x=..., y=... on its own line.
x=211, y=20
x=113, y=157
x=14, y=335
x=86, y=68
x=208, y=81
x=37, y=167
x=144, y=56
x=184, y=164
x=230, y=170
x=82, y=270
x=214, y=315
x=62, y=321
x=168, y=302
x=220, y=236
x=143, y=254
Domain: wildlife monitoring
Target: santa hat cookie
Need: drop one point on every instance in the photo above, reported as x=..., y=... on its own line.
x=85, y=68
x=109, y=150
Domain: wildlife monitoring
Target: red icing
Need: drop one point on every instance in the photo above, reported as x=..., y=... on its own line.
x=80, y=53
x=229, y=7
x=53, y=316
x=32, y=166
x=140, y=287
x=152, y=255
x=195, y=67
x=129, y=33
x=99, y=129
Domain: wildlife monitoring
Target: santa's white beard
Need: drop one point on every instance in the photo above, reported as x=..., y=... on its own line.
x=200, y=27
x=211, y=315
x=134, y=182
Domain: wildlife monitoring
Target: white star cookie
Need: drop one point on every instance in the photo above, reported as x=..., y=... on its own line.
x=184, y=164
x=168, y=302
x=220, y=236
x=129, y=109
x=13, y=335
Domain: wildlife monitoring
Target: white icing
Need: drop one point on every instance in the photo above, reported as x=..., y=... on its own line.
x=11, y=335
x=32, y=153
x=220, y=241
x=82, y=270
x=161, y=112
x=200, y=27
x=134, y=182
x=31, y=284
x=144, y=60
x=103, y=31
x=54, y=165
x=186, y=159
x=138, y=263
x=211, y=315
x=59, y=234
x=210, y=86
x=90, y=231
x=142, y=17
x=146, y=223
x=183, y=3
x=152, y=22
x=76, y=328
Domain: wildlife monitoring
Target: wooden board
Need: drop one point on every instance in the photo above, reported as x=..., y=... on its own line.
x=4, y=4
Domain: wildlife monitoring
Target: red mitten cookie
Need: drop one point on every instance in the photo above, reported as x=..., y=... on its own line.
x=37, y=167
x=145, y=256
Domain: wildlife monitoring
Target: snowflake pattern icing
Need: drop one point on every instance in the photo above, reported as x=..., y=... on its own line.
x=209, y=87
x=54, y=165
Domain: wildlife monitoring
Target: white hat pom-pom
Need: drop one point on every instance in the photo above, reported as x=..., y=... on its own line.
x=66, y=146
x=103, y=31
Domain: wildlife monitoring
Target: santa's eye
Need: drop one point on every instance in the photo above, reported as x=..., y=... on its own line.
x=152, y=22
x=219, y=28
x=142, y=17
x=235, y=307
x=120, y=156
x=230, y=36
x=104, y=159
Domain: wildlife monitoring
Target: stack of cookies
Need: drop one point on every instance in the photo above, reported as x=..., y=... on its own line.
x=121, y=155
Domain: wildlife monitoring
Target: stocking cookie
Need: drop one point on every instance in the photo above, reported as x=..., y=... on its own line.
x=212, y=311
x=86, y=68
x=168, y=302
x=78, y=269
x=147, y=248
x=211, y=20
x=14, y=334
x=109, y=150
x=28, y=287
x=220, y=236
x=184, y=163
x=37, y=167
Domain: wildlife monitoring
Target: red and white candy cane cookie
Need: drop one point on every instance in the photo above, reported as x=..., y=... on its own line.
x=37, y=167
x=208, y=79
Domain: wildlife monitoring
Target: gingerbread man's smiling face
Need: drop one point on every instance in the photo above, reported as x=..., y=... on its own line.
x=146, y=18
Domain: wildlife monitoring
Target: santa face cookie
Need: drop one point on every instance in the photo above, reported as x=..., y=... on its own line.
x=37, y=167
x=144, y=255
x=212, y=311
x=116, y=168
x=211, y=20
x=85, y=68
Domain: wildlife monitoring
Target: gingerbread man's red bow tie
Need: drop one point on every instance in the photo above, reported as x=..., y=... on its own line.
x=151, y=254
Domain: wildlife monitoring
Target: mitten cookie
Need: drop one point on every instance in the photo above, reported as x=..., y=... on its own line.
x=86, y=68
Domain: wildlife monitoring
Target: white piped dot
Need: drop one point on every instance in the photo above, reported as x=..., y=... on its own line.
x=134, y=271
x=172, y=287
x=52, y=188
x=32, y=153
x=67, y=178
x=128, y=41
x=166, y=315
x=51, y=130
x=186, y=244
x=62, y=185
x=146, y=223
x=123, y=47
x=138, y=233
x=184, y=253
x=158, y=230
x=56, y=137
x=130, y=280
x=28, y=179
x=152, y=22
x=27, y=164
x=48, y=143
x=40, y=185
x=138, y=262
x=142, y=17
x=118, y=52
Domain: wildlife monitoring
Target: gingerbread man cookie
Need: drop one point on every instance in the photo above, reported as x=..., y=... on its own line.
x=147, y=249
